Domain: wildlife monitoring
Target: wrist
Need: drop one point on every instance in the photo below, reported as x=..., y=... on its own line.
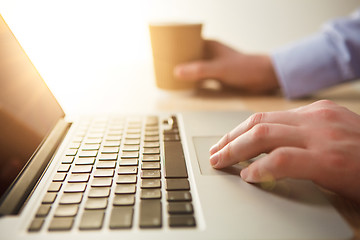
x=268, y=75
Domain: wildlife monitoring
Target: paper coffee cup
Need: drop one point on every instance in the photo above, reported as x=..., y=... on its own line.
x=172, y=44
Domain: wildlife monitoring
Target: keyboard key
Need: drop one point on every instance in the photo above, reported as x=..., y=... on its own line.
x=66, y=210
x=104, y=173
x=151, y=166
x=132, y=142
x=75, y=187
x=131, y=148
x=121, y=217
x=59, y=177
x=96, y=203
x=74, y=145
x=110, y=150
x=182, y=221
x=61, y=224
x=78, y=139
x=180, y=208
x=111, y=143
x=151, y=144
x=71, y=152
x=150, y=183
x=54, y=187
x=150, y=214
x=99, y=192
x=124, y=200
x=106, y=165
x=133, y=136
x=150, y=174
x=92, y=219
x=126, y=179
x=82, y=169
x=151, y=139
x=134, y=131
x=129, y=162
x=36, y=225
x=127, y=170
x=88, y=154
x=175, y=196
x=125, y=188
x=150, y=193
x=130, y=155
x=78, y=178
x=151, y=158
x=95, y=135
x=71, y=198
x=113, y=138
x=149, y=133
x=151, y=151
x=108, y=157
x=64, y=167
x=67, y=159
x=101, y=182
x=177, y=184
x=175, y=166
x=85, y=161
x=43, y=210
x=49, y=197
x=89, y=147
x=93, y=140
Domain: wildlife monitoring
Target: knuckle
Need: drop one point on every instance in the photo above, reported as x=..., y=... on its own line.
x=333, y=134
x=327, y=114
x=256, y=118
x=260, y=131
x=280, y=158
x=337, y=159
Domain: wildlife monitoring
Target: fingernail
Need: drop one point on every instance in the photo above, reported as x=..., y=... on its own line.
x=245, y=174
x=214, y=159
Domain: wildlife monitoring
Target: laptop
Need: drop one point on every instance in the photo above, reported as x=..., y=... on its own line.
x=142, y=176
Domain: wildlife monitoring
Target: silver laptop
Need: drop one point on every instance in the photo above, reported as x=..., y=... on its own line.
x=144, y=176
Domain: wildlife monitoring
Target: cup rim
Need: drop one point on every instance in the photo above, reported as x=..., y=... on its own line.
x=175, y=23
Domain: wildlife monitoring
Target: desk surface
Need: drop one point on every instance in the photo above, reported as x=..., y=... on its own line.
x=139, y=95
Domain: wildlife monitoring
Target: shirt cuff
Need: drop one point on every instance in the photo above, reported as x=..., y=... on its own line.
x=306, y=66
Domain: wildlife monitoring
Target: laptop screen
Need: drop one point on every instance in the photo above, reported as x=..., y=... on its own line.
x=28, y=110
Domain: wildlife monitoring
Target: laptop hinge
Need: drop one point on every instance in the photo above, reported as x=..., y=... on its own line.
x=13, y=202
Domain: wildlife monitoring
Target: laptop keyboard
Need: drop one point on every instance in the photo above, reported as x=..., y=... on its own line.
x=118, y=170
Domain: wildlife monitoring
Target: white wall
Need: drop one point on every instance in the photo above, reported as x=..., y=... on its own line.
x=71, y=41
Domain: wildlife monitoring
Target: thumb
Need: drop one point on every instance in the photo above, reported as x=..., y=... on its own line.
x=195, y=71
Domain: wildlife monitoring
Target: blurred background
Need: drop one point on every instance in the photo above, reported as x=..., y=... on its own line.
x=89, y=50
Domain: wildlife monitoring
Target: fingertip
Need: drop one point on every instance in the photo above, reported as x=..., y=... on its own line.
x=178, y=71
x=244, y=174
x=214, y=159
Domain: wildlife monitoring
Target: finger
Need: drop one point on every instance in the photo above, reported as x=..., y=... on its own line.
x=280, y=117
x=283, y=162
x=195, y=71
x=262, y=138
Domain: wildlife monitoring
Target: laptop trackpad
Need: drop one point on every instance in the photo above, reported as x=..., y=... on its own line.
x=202, y=145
